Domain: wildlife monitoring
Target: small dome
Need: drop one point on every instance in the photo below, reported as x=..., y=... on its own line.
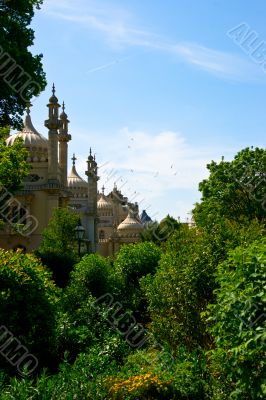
x=31, y=138
x=130, y=224
x=53, y=99
x=103, y=203
x=74, y=180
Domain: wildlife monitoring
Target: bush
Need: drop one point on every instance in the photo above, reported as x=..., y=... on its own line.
x=239, y=323
x=90, y=276
x=28, y=300
x=153, y=374
x=58, y=248
x=133, y=262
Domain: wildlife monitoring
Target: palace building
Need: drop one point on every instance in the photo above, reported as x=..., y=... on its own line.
x=109, y=220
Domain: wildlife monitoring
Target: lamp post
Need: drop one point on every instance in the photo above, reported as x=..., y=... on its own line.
x=79, y=234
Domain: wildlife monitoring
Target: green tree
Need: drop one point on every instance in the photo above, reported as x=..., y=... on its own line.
x=136, y=260
x=180, y=290
x=235, y=190
x=132, y=262
x=28, y=300
x=13, y=163
x=58, y=248
x=183, y=284
x=91, y=275
x=238, y=324
x=22, y=76
x=84, y=322
x=158, y=233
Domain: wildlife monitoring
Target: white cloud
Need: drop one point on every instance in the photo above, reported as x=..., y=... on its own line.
x=117, y=28
x=157, y=169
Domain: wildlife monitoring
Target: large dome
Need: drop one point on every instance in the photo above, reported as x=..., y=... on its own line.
x=31, y=138
x=130, y=224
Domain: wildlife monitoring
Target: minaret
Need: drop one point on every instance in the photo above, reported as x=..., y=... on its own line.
x=53, y=124
x=92, y=174
x=63, y=138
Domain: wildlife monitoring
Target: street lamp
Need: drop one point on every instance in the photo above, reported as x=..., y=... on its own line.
x=79, y=234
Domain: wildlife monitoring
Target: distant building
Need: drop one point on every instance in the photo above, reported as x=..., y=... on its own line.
x=109, y=220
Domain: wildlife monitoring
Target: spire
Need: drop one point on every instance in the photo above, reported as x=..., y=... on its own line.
x=74, y=159
x=92, y=169
x=28, y=106
x=64, y=136
x=90, y=158
x=63, y=115
x=28, y=123
x=53, y=107
x=53, y=124
x=53, y=99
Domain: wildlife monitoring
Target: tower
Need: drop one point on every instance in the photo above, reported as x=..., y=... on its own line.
x=63, y=138
x=53, y=124
x=92, y=174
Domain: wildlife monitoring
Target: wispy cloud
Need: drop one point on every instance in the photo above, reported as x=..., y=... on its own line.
x=117, y=28
x=108, y=65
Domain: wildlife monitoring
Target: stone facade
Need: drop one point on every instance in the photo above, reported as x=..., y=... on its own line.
x=109, y=220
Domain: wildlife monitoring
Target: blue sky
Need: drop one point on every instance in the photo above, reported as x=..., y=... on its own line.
x=156, y=88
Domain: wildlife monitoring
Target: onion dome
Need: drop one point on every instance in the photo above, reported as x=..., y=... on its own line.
x=31, y=138
x=130, y=225
x=53, y=99
x=73, y=179
x=103, y=204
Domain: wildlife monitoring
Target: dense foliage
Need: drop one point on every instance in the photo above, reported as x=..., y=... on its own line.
x=159, y=232
x=58, y=248
x=178, y=318
x=239, y=322
x=235, y=189
x=22, y=76
x=13, y=163
x=28, y=301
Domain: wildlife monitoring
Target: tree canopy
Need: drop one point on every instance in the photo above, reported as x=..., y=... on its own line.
x=22, y=75
x=13, y=162
x=235, y=190
x=58, y=248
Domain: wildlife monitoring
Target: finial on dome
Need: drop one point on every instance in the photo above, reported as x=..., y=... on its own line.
x=103, y=189
x=74, y=159
x=63, y=115
x=53, y=99
x=28, y=108
x=90, y=158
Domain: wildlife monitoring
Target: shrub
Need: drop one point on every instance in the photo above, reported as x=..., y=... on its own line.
x=238, y=324
x=58, y=248
x=28, y=300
